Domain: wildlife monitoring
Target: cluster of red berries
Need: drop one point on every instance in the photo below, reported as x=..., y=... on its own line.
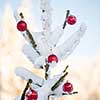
x=33, y=95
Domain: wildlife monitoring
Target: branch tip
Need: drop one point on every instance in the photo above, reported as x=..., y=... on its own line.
x=21, y=15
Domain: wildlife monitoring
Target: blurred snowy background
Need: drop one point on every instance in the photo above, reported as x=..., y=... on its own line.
x=84, y=70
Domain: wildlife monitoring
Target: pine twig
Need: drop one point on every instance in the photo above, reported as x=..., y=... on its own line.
x=28, y=33
x=69, y=93
x=38, y=85
x=61, y=94
x=31, y=39
x=59, y=82
x=26, y=88
x=21, y=15
x=67, y=14
x=50, y=95
x=46, y=70
x=65, y=69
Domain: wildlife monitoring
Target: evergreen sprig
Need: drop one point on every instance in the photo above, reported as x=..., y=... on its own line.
x=58, y=83
x=31, y=39
x=67, y=14
x=26, y=88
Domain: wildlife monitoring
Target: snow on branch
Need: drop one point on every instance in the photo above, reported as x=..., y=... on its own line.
x=65, y=49
x=26, y=75
x=46, y=16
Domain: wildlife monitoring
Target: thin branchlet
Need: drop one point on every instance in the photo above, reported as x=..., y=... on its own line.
x=63, y=94
x=69, y=93
x=50, y=95
x=46, y=70
x=31, y=39
x=26, y=88
x=65, y=69
x=59, y=82
x=21, y=15
x=67, y=14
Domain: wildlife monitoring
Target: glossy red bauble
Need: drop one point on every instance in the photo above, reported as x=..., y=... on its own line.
x=31, y=95
x=71, y=20
x=52, y=58
x=68, y=87
x=21, y=26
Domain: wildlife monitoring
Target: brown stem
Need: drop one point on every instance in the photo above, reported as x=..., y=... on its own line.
x=49, y=97
x=65, y=69
x=67, y=14
x=31, y=38
x=46, y=70
x=28, y=33
x=69, y=93
x=26, y=88
x=59, y=82
x=21, y=15
x=32, y=41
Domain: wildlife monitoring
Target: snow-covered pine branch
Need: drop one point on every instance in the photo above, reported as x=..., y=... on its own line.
x=46, y=16
x=38, y=61
x=30, y=52
x=26, y=75
x=66, y=48
x=55, y=35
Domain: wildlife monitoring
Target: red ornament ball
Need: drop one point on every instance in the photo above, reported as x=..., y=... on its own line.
x=21, y=26
x=71, y=20
x=31, y=95
x=52, y=57
x=68, y=87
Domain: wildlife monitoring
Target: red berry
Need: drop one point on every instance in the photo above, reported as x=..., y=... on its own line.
x=21, y=26
x=52, y=57
x=68, y=87
x=71, y=20
x=31, y=95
